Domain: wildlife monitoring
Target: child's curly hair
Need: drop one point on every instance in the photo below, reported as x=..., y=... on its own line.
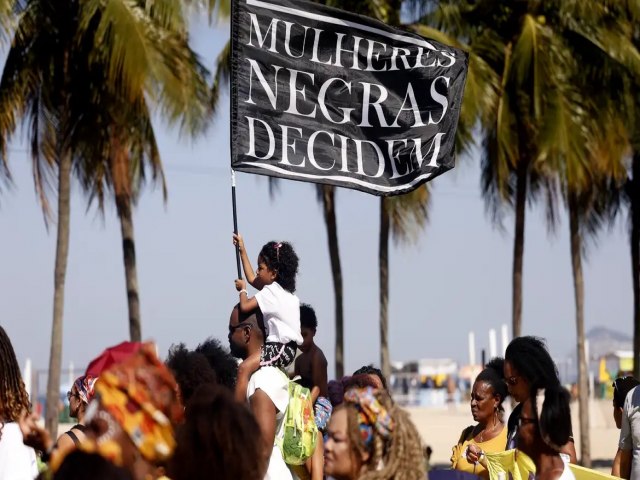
x=282, y=259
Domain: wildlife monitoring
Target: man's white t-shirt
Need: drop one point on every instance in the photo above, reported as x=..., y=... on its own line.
x=276, y=385
x=281, y=311
x=17, y=461
x=630, y=430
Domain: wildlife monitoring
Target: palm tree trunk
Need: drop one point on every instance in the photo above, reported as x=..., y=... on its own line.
x=123, y=205
x=60, y=272
x=578, y=285
x=635, y=259
x=329, y=209
x=385, y=362
x=518, y=246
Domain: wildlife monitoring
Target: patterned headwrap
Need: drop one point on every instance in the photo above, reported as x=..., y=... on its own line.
x=323, y=409
x=372, y=415
x=84, y=385
x=140, y=394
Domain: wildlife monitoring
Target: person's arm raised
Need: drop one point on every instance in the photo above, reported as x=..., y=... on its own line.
x=264, y=410
x=246, y=263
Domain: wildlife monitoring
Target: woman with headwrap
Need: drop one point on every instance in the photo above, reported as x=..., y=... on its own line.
x=370, y=438
x=132, y=418
x=79, y=397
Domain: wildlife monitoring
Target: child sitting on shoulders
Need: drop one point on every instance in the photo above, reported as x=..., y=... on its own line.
x=275, y=279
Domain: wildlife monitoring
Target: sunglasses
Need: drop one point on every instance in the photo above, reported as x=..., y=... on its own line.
x=233, y=328
x=70, y=395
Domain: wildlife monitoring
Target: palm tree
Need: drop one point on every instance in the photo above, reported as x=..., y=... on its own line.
x=117, y=156
x=590, y=144
x=504, y=37
x=631, y=190
x=56, y=48
x=538, y=121
x=632, y=196
x=403, y=217
x=327, y=196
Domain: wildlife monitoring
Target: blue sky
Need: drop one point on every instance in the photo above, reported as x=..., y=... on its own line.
x=456, y=279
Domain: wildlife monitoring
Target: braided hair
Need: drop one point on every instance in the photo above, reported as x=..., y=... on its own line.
x=398, y=458
x=281, y=258
x=13, y=394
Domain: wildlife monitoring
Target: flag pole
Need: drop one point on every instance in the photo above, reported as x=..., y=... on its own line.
x=235, y=218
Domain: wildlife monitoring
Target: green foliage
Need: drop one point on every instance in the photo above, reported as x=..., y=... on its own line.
x=556, y=108
x=82, y=76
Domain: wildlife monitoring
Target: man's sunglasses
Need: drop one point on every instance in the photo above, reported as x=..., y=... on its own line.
x=233, y=328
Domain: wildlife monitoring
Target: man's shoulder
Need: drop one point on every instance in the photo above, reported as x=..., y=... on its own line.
x=632, y=400
x=273, y=382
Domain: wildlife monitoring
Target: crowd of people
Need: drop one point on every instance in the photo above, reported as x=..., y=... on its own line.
x=213, y=412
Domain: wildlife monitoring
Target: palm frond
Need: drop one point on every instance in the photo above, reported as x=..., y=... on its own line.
x=408, y=214
x=183, y=89
x=222, y=75
x=127, y=38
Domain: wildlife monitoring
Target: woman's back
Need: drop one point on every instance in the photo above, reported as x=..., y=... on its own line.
x=17, y=461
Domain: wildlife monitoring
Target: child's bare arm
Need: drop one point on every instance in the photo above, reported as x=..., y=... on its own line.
x=246, y=263
x=247, y=305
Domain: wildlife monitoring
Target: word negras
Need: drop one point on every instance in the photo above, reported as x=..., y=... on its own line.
x=347, y=123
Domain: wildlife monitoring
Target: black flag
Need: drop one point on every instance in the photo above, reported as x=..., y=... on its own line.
x=326, y=96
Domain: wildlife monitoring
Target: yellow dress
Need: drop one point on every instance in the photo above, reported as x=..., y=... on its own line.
x=459, y=457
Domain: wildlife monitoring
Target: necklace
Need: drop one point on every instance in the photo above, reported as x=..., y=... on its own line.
x=481, y=434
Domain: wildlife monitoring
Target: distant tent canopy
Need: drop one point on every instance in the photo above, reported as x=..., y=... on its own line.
x=615, y=364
